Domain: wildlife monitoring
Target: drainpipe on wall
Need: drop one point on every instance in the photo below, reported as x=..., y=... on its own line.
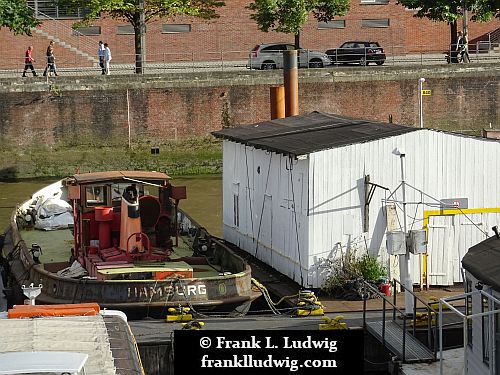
x=291, y=79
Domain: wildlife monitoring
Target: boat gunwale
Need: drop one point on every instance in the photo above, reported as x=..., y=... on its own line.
x=19, y=241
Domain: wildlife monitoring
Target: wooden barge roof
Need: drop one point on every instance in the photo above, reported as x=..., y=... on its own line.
x=85, y=178
x=305, y=134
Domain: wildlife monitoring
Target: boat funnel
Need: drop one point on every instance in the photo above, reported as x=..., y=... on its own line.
x=130, y=221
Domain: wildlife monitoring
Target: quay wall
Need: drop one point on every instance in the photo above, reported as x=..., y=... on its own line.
x=152, y=110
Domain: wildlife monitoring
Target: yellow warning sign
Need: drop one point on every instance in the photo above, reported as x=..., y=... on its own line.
x=426, y=92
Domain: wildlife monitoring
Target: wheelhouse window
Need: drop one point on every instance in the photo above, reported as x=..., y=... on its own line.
x=96, y=195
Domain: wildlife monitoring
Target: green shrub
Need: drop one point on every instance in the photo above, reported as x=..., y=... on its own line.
x=344, y=271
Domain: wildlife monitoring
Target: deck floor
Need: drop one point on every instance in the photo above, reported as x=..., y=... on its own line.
x=56, y=248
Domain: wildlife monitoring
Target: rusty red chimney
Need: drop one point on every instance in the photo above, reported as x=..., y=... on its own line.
x=291, y=79
x=277, y=97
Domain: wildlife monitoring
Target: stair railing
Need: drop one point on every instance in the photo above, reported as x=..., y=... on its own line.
x=66, y=34
x=432, y=332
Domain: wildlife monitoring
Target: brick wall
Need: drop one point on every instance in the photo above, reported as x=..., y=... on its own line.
x=97, y=111
x=234, y=34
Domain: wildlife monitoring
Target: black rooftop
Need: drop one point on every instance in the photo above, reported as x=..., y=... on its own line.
x=305, y=134
x=483, y=261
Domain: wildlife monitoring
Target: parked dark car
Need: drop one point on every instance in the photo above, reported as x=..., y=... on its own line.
x=270, y=56
x=362, y=53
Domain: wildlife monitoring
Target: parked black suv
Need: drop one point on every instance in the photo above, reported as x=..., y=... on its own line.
x=362, y=53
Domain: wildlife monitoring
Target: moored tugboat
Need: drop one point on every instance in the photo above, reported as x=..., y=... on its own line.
x=132, y=248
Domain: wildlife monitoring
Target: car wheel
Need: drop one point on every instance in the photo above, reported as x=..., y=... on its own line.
x=379, y=62
x=315, y=64
x=268, y=65
x=362, y=61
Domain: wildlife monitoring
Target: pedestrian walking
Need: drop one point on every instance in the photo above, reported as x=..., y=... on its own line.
x=107, y=58
x=28, y=61
x=462, y=48
x=101, y=52
x=48, y=52
x=51, y=63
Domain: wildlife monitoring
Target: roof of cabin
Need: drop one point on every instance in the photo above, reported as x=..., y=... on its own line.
x=305, y=134
x=84, y=178
x=483, y=261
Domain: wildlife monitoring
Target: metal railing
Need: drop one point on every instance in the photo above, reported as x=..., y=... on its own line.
x=63, y=34
x=203, y=61
x=494, y=37
x=432, y=317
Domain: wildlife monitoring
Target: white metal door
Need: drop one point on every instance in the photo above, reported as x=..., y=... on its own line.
x=440, y=241
x=449, y=239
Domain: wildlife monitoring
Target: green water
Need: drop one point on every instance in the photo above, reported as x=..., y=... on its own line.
x=203, y=203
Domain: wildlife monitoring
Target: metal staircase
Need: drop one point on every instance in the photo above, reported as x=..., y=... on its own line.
x=396, y=330
x=66, y=37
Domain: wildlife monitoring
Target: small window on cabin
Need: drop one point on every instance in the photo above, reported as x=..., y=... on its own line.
x=96, y=195
x=486, y=329
x=236, y=204
x=236, y=210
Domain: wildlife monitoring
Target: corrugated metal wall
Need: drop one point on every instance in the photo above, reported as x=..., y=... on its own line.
x=441, y=165
x=272, y=211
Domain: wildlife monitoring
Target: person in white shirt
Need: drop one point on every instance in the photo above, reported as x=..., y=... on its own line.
x=107, y=58
x=101, y=52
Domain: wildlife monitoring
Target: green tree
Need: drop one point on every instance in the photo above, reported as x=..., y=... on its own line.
x=139, y=12
x=451, y=10
x=16, y=15
x=290, y=16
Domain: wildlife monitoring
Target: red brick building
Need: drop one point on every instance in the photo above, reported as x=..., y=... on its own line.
x=233, y=35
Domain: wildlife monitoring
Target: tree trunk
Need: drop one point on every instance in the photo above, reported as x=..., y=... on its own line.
x=453, y=42
x=138, y=44
x=297, y=41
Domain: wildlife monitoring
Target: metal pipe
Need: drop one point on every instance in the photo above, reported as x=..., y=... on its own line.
x=291, y=80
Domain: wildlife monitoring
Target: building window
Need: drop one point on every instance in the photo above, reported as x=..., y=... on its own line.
x=236, y=210
x=333, y=24
x=89, y=30
x=125, y=30
x=486, y=330
x=377, y=2
x=44, y=9
x=236, y=204
x=175, y=28
x=375, y=23
x=468, y=311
